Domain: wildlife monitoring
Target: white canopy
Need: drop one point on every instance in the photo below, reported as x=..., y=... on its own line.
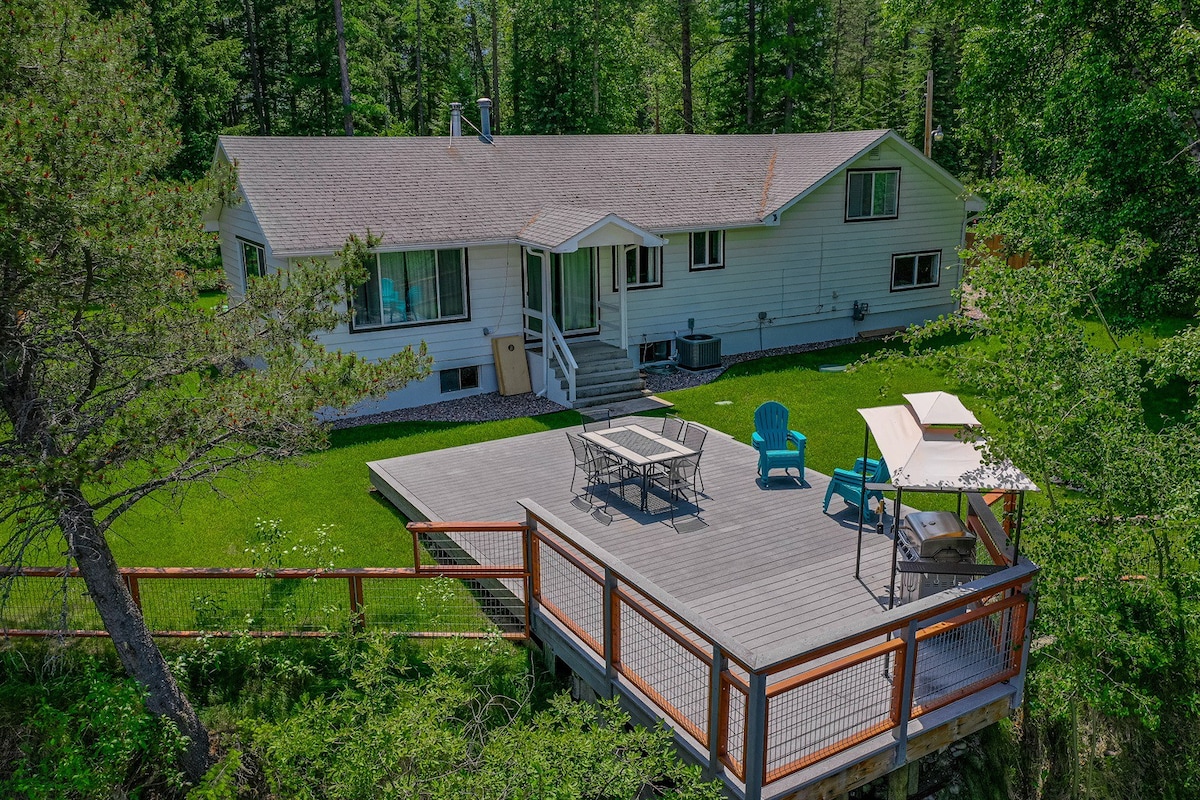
x=932, y=443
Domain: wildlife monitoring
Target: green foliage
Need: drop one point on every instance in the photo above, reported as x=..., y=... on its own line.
x=467, y=728
x=80, y=732
x=1115, y=664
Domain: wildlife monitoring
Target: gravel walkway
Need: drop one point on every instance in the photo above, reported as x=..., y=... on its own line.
x=492, y=406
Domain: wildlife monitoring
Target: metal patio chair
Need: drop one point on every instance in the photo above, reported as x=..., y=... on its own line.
x=680, y=477
x=673, y=427
x=601, y=420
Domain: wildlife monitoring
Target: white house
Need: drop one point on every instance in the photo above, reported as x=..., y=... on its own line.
x=609, y=246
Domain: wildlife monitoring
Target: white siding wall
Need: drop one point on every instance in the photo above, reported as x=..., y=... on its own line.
x=807, y=272
x=494, y=283
x=238, y=222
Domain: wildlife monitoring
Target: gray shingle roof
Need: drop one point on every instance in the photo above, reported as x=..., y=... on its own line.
x=309, y=194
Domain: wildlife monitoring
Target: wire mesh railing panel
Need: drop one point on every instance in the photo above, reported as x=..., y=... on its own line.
x=466, y=547
x=48, y=604
x=572, y=595
x=674, y=676
x=828, y=714
x=291, y=605
x=735, y=729
x=440, y=605
x=957, y=659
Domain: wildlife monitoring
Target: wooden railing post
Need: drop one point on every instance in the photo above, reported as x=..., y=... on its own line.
x=527, y=566
x=416, y=544
x=718, y=712
x=1025, y=613
x=756, y=735
x=131, y=583
x=612, y=631
x=904, y=682
x=357, y=614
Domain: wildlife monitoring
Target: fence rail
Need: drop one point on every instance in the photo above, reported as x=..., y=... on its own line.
x=428, y=600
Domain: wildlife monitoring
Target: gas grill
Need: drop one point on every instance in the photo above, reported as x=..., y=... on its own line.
x=937, y=537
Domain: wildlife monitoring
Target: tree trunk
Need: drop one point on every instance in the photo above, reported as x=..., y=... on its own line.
x=495, y=15
x=420, y=78
x=751, y=58
x=685, y=63
x=477, y=52
x=836, y=48
x=257, y=80
x=339, y=23
x=123, y=620
x=789, y=74
x=596, y=59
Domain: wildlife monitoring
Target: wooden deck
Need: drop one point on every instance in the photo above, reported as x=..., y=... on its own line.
x=743, y=625
x=769, y=569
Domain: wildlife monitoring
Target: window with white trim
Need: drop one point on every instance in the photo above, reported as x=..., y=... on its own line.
x=916, y=270
x=411, y=288
x=872, y=194
x=708, y=250
x=642, y=267
x=254, y=261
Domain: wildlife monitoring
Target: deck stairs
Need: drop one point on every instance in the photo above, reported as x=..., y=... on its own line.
x=606, y=375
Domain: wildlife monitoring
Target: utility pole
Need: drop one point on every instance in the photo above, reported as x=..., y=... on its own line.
x=929, y=114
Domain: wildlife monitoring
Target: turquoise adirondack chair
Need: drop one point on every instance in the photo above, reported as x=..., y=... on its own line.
x=772, y=439
x=849, y=484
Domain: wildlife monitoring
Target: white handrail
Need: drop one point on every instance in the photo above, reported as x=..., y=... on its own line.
x=557, y=345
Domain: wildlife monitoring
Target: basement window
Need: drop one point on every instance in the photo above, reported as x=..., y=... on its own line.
x=456, y=380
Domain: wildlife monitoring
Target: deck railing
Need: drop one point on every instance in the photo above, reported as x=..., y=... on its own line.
x=766, y=716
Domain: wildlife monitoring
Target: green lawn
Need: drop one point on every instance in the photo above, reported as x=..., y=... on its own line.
x=214, y=528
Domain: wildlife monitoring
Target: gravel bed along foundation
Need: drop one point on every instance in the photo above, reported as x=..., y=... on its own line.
x=492, y=406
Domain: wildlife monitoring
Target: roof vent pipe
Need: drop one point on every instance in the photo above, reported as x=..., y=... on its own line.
x=455, y=120
x=485, y=120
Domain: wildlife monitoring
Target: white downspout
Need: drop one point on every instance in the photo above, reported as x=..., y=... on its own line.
x=547, y=343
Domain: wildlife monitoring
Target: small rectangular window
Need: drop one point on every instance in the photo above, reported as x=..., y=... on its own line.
x=708, y=250
x=872, y=194
x=456, y=380
x=916, y=270
x=642, y=267
x=254, y=261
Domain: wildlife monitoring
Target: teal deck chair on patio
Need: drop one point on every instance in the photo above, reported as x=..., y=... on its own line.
x=772, y=438
x=849, y=484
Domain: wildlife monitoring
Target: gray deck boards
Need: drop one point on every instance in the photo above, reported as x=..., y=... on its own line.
x=770, y=568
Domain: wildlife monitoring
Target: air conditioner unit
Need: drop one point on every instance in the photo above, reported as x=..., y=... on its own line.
x=698, y=351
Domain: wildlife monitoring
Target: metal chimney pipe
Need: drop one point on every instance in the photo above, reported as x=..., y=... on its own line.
x=485, y=120
x=455, y=120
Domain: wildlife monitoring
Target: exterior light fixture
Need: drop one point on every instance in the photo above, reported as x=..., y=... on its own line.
x=937, y=134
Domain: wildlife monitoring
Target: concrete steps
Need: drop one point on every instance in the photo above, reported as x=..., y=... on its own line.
x=605, y=375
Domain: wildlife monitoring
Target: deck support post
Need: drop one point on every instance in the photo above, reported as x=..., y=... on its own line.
x=756, y=736
x=612, y=632
x=907, y=681
x=717, y=717
x=1018, y=682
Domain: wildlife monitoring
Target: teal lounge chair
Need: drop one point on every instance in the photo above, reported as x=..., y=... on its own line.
x=849, y=484
x=773, y=439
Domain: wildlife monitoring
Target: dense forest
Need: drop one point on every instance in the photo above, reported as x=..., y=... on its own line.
x=1078, y=122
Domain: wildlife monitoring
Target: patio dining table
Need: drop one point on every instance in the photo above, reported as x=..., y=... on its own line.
x=638, y=448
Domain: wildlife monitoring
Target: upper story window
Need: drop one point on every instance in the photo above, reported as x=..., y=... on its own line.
x=254, y=261
x=872, y=194
x=410, y=288
x=916, y=270
x=643, y=269
x=708, y=250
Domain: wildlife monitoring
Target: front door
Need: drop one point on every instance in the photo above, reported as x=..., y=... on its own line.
x=574, y=296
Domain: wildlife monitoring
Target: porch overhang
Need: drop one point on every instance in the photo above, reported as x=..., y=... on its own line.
x=565, y=229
